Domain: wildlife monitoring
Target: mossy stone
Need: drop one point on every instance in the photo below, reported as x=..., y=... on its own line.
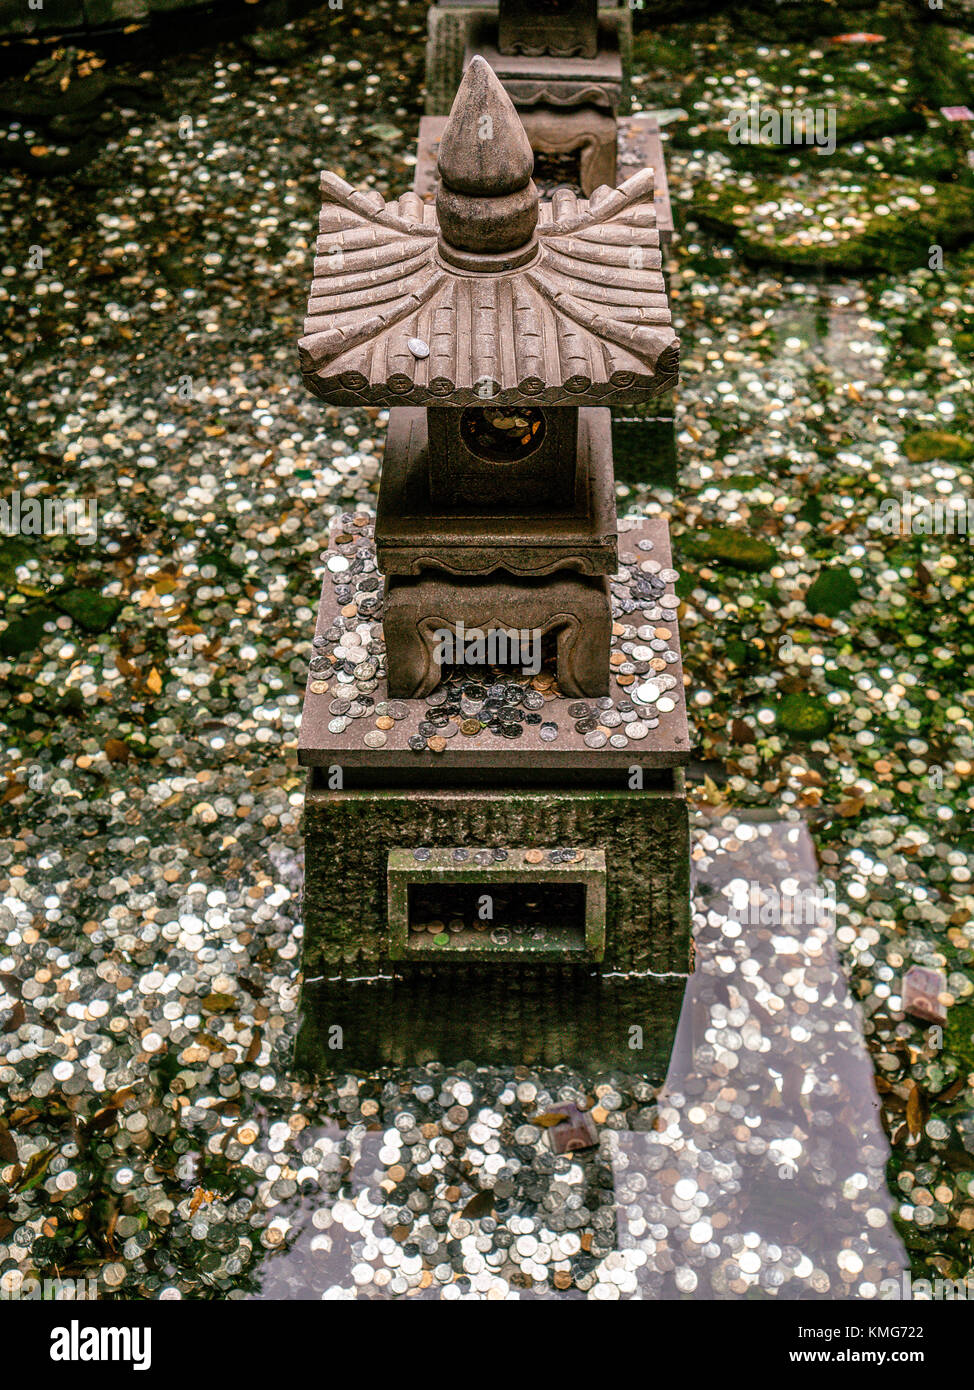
x=26, y=632
x=833, y=592
x=727, y=546
x=95, y=612
x=803, y=716
x=927, y=445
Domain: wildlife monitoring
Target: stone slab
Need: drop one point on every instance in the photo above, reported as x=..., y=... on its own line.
x=529, y=756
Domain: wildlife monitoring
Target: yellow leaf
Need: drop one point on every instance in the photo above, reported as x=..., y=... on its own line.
x=154, y=681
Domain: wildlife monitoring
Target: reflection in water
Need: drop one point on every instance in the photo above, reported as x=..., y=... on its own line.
x=759, y=1170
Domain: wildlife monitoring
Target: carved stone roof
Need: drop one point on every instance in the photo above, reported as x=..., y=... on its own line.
x=585, y=323
x=489, y=295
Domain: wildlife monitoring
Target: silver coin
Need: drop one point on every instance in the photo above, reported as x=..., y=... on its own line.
x=337, y=564
x=669, y=576
x=665, y=704
x=618, y=741
x=644, y=545
x=610, y=719
x=397, y=709
x=449, y=729
x=647, y=693
x=642, y=653
x=375, y=738
x=417, y=347
x=337, y=726
x=437, y=697
x=650, y=567
x=339, y=706
x=671, y=657
x=595, y=739
x=364, y=671
x=669, y=602
x=637, y=729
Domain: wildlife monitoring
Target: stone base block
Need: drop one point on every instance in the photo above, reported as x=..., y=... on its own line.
x=626, y=905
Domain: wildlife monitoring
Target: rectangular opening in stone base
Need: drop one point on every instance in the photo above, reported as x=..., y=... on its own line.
x=535, y=919
x=459, y=903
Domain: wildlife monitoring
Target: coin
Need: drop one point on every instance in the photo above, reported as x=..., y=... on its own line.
x=548, y=732
x=665, y=704
x=595, y=739
x=579, y=710
x=397, y=709
x=437, y=743
x=637, y=729
x=319, y=687
x=337, y=726
x=533, y=856
x=375, y=738
x=470, y=726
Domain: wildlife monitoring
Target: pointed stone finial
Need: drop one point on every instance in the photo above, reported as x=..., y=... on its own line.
x=487, y=203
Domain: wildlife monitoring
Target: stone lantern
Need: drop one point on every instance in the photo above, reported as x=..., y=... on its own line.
x=497, y=328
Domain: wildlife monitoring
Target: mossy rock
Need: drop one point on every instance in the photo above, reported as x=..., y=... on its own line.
x=14, y=551
x=894, y=242
x=927, y=445
x=94, y=612
x=26, y=633
x=803, y=716
x=727, y=546
x=833, y=592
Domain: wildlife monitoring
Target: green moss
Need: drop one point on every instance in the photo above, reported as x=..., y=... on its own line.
x=727, y=546
x=803, y=716
x=927, y=445
x=833, y=592
x=895, y=241
x=14, y=551
x=26, y=633
x=95, y=612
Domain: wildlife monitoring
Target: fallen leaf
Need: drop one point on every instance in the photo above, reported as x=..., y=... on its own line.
x=154, y=681
x=8, y=1148
x=116, y=750
x=18, y=1015
x=914, y=1110
x=482, y=1204
x=549, y=1119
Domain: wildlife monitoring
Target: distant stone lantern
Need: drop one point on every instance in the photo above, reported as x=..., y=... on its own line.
x=564, y=63
x=499, y=328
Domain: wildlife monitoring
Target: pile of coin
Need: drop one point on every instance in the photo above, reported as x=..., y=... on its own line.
x=348, y=662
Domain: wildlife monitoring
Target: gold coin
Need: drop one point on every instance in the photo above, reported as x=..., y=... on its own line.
x=616, y=658
x=435, y=927
x=625, y=680
x=350, y=610
x=534, y=856
x=663, y=633
x=436, y=744
x=657, y=664
x=319, y=687
x=470, y=726
x=618, y=630
x=384, y=722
